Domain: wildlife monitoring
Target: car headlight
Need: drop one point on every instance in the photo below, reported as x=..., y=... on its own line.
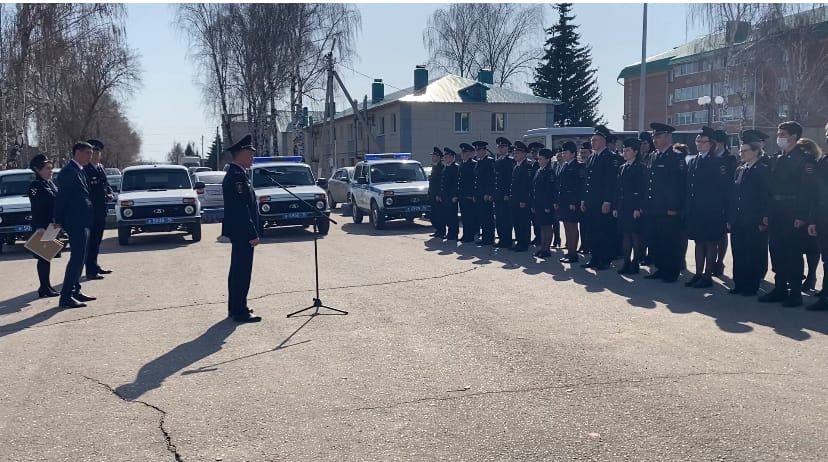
x=320, y=205
x=265, y=208
x=189, y=210
x=389, y=201
x=127, y=213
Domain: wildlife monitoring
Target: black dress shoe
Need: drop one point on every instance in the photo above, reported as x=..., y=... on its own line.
x=569, y=259
x=247, y=319
x=692, y=281
x=793, y=300
x=103, y=271
x=93, y=277
x=656, y=275
x=703, y=283
x=83, y=298
x=556, y=244
x=774, y=296
x=71, y=303
x=45, y=292
x=734, y=291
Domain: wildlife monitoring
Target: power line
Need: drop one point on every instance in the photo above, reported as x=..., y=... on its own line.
x=369, y=77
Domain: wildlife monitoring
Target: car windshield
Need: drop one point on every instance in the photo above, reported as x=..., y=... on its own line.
x=210, y=178
x=16, y=184
x=155, y=180
x=115, y=182
x=286, y=175
x=392, y=172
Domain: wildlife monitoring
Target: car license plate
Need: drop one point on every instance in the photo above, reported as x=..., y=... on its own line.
x=23, y=228
x=159, y=221
x=297, y=214
x=415, y=208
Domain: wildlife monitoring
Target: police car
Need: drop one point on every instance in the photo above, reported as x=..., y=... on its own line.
x=15, y=208
x=387, y=187
x=157, y=198
x=277, y=207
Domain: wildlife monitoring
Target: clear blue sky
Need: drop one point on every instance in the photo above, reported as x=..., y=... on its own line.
x=169, y=106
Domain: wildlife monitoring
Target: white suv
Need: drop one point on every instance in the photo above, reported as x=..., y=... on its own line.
x=15, y=208
x=157, y=198
x=387, y=187
x=278, y=208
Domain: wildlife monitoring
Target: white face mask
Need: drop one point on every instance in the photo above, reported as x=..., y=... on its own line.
x=782, y=142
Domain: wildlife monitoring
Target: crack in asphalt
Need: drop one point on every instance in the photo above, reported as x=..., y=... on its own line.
x=258, y=297
x=558, y=387
x=167, y=437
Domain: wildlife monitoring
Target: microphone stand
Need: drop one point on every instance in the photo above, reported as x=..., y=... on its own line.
x=317, y=301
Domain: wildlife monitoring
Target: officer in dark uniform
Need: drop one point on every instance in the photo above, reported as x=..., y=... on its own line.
x=99, y=192
x=722, y=141
x=570, y=185
x=503, y=182
x=818, y=226
x=543, y=200
x=435, y=179
x=664, y=204
x=793, y=190
x=42, y=193
x=73, y=213
x=599, y=191
x=617, y=248
x=468, y=214
x=520, y=197
x=484, y=191
x=583, y=156
x=750, y=196
x=532, y=156
x=627, y=204
x=449, y=195
x=241, y=225
x=708, y=177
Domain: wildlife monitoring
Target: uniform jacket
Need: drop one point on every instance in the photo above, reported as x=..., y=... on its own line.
x=99, y=187
x=707, y=178
x=484, y=177
x=794, y=185
x=666, y=183
x=750, y=196
x=42, y=195
x=503, y=177
x=543, y=189
x=241, y=213
x=521, y=190
x=435, y=179
x=570, y=184
x=73, y=207
x=631, y=188
x=451, y=180
x=601, y=173
x=466, y=183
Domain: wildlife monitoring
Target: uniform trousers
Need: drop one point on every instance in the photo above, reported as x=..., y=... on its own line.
x=485, y=216
x=602, y=236
x=468, y=214
x=822, y=239
x=238, y=280
x=787, y=245
x=665, y=241
x=504, y=221
x=95, y=238
x=449, y=221
x=521, y=220
x=437, y=217
x=78, y=242
x=750, y=257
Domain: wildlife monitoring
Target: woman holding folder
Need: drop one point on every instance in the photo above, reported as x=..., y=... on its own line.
x=42, y=192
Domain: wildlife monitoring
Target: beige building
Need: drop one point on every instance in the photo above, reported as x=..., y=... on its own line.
x=442, y=112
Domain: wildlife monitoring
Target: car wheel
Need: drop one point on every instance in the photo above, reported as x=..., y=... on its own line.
x=356, y=213
x=377, y=218
x=123, y=235
x=323, y=226
x=195, y=231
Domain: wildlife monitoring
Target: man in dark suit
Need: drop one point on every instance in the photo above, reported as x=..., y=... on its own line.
x=722, y=141
x=520, y=197
x=484, y=191
x=664, y=204
x=241, y=225
x=503, y=182
x=435, y=179
x=599, y=192
x=99, y=193
x=448, y=194
x=73, y=213
x=468, y=214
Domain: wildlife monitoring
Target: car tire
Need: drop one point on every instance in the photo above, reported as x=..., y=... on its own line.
x=195, y=231
x=123, y=235
x=377, y=219
x=323, y=226
x=356, y=213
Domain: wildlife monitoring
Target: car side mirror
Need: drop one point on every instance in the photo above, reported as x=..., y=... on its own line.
x=322, y=183
x=199, y=185
x=362, y=180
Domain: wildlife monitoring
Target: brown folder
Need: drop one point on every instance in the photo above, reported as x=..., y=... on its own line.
x=43, y=249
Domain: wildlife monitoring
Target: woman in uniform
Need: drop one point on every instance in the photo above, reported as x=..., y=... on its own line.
x=627, y=206
x=543, y=200
x=812, y=249
x=570, y=191
x=42, y=192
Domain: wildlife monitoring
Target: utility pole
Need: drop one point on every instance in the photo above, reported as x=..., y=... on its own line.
x=642, y=90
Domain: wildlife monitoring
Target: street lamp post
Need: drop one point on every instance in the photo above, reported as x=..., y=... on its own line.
x=708, y=101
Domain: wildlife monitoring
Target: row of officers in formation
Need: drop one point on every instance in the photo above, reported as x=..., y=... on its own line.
x=643, y=204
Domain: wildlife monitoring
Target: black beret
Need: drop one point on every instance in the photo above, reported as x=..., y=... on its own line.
x=547, y=153
x=753, y=136
x=632, y=143
x=244, y=143
x=660, y=128
x=645, y=136
x=601, y=130
x=96, y=144
x=519, y=145
x=448, y=152
x=720, y=136
x=586, y=145
x=38, y=162
x=480, y=144
x=569, y=146
x=465, y=147
x=708, y=132
x=437, y=152
x=535, y=146
x=501, y=141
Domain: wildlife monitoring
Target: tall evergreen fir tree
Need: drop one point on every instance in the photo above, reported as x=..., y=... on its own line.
x=214, y=152
x=566, y=73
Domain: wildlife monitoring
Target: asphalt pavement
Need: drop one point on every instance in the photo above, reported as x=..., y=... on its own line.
x=449, y=352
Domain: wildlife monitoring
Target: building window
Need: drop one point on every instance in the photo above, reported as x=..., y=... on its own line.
x=498, y=122
x=350, y=132
x=382, y=125
x=393, y=123
x=461, y=122
x=691, y=118
x=686, y=68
